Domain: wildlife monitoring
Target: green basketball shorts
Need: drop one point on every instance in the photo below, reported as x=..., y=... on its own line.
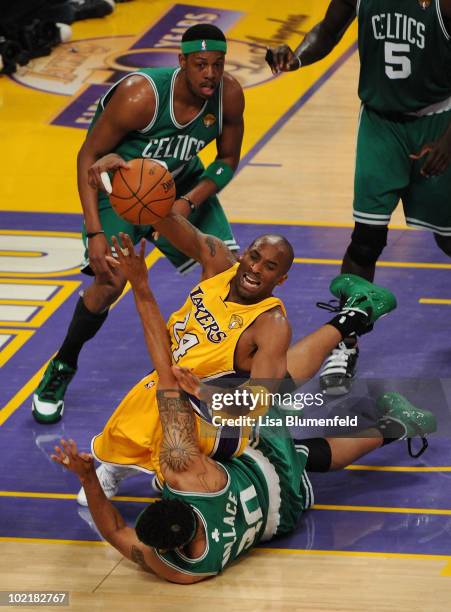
x=208, y=218
x=385, y=174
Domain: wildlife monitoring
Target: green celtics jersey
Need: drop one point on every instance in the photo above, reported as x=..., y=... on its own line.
x=266, y=491
x=405, y=55
x=164, y=138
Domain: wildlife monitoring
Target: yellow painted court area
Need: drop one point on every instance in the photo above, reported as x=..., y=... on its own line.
x=38, y=159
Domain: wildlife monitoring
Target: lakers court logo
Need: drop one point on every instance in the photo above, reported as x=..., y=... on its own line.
x=85, y=69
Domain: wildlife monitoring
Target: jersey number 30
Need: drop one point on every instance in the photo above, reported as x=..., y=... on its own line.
x=397, y=66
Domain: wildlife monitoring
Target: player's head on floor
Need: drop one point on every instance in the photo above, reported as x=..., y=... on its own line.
x=202, y=59
x=263, y=266
x=166, y=524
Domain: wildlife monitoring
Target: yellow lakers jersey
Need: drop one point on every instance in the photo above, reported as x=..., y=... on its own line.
x=204, y=334
x=205, y=331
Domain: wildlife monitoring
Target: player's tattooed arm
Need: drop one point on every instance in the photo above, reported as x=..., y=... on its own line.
x=211, y=252
x=209, y=241
x=137, y=556
x=180, y=446
x=146, y=558
x=182, y=463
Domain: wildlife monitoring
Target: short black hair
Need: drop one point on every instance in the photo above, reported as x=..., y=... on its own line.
x=166, y=524
x=203, y=31
x=285, y=244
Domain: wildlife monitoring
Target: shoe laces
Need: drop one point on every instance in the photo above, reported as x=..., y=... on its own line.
x=336, y=306
x=330, y=306
x=58, y=377
x=340, y=355
x=108, y=481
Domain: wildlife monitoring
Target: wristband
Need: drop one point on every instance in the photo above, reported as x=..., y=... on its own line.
x=190, y=202
x=220, y=173
x=92, y=234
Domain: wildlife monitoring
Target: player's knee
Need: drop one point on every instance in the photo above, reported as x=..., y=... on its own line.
x=444, y=243
x=319, y=455
x=367, y=243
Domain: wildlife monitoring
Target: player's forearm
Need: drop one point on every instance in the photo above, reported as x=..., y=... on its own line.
x=317, y=44
x=181, y=234
x=201, y=192
x=104, y=514
x=180, y=446
x=155, y=334
x=88, y=195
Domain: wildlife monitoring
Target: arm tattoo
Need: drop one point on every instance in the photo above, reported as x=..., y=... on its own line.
x=179, y=446
x=138, y=557
x=210, y=242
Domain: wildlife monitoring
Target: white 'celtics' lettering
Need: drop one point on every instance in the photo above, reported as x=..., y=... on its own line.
x=248, y=499
x=182, y=147
x=399, y=27
x=184, y=341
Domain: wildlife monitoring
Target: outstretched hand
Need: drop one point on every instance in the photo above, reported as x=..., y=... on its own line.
x=98, y=177
x=81, y=464
x=282, y=59
x=131, y=264
x=187, y=380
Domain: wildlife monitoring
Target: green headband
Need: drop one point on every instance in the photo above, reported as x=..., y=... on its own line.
x=194, y=46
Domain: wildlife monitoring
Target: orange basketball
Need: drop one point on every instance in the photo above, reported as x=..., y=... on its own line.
x=144, y=193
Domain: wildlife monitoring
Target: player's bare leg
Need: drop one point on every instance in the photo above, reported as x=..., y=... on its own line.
x=305, y=357
x=396, y=419
x=345, y=451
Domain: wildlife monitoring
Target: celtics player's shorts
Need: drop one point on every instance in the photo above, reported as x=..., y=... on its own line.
x=209, y=218
x=283, y=463
x=385, y=174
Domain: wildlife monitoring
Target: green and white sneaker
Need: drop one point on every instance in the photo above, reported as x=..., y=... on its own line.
x=338, y=371
x=395, y=408
x=359, y=294
x=48, y=398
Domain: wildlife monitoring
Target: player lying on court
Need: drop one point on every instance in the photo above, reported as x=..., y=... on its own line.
x=167, y=114
x=404, y=134
x=213, y=512
x=230, y=326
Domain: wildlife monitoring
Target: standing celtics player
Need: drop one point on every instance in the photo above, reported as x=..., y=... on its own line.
x=404, y=138
x=167, y=114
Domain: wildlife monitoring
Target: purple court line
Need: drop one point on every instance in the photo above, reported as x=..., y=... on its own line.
x=295, y=107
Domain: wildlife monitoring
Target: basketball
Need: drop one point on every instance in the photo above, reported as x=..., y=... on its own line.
x=144, y=193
